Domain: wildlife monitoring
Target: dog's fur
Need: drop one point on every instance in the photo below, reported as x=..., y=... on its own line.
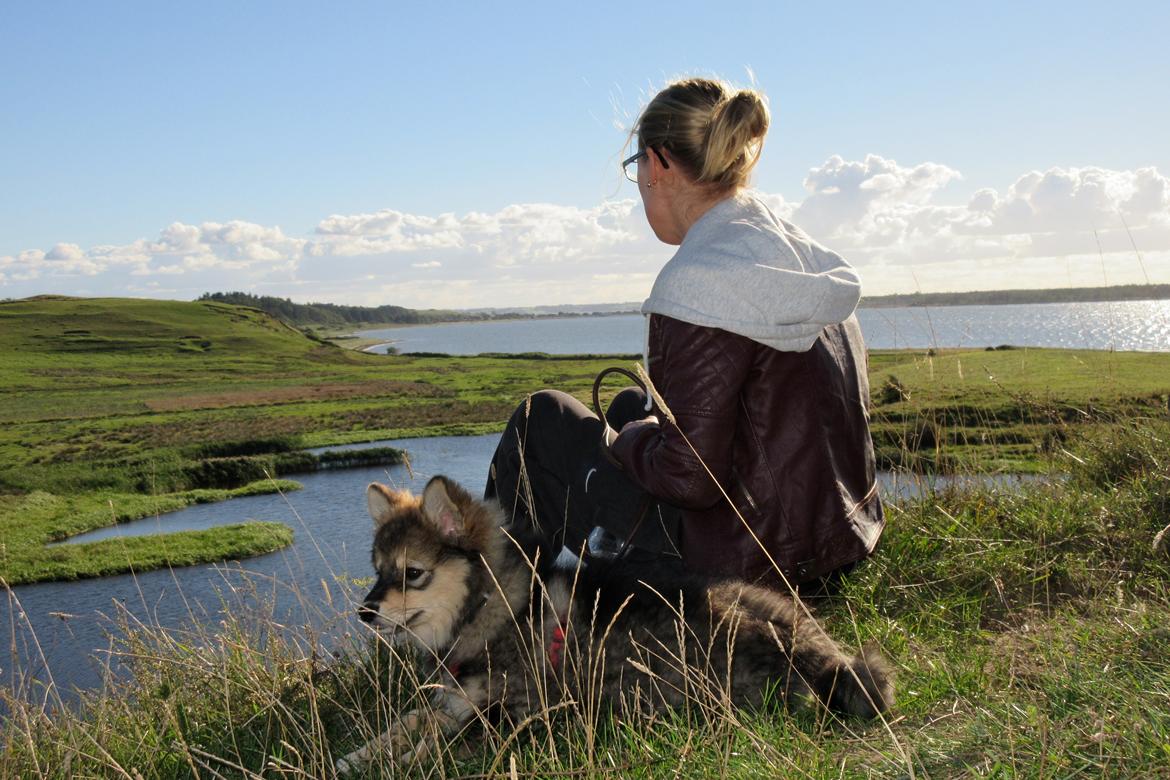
x=453, y=581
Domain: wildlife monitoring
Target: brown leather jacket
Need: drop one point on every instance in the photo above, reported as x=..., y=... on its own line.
x=786, y=434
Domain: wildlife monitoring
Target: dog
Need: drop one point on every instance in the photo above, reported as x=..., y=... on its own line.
x=457, y=583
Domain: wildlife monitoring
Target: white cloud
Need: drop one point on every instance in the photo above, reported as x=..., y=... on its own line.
x=871, y=198
x=520, y=234
x=894, y=222
x=890, y=221
x=65, y=253
x=1072, y=201
x=231, y=246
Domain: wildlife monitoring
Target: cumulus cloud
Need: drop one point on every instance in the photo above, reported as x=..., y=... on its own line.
x=1045, y=228
x=519, y=255
x=877, y=202
x=231, y=246
x=1070, y=200
x=527, y=233
x=895, y=222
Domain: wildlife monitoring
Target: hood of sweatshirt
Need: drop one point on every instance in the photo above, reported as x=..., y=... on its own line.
x=742, y=269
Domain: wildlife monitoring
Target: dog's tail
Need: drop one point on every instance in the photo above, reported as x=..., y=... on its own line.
x=862, y=686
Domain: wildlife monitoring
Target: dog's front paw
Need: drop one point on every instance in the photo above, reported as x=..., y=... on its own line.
x=395, y=744
x=345, y=767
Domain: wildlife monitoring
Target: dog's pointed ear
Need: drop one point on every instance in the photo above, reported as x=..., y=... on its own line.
x=440, y=509
x=383, y=502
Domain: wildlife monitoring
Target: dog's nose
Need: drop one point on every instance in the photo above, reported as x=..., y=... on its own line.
x=368, y=611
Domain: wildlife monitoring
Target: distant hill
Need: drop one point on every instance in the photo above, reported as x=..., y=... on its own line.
x=1126, y=292
x=332, y=315
x=335, y=315
x=57, y=334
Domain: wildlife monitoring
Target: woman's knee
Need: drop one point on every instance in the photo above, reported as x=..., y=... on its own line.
x=535, y=406
x=548, y=401
x=549, y=408
x=547, y=419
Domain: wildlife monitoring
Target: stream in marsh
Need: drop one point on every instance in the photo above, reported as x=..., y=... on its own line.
x=62, y=632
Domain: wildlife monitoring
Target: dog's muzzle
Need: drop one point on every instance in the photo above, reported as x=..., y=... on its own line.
x=368, y=612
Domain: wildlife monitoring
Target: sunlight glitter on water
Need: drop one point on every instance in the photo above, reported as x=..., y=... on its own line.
x=1122, y=326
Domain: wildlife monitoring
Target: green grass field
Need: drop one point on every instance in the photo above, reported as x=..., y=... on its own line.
x=1027, y=625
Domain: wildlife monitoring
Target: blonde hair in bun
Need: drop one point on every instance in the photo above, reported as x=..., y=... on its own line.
x=714, y=131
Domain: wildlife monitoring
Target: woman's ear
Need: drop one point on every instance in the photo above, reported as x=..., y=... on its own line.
x=659, y=172
x=654, y=169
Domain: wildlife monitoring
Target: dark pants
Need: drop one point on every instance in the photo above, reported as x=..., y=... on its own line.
x=553, y=476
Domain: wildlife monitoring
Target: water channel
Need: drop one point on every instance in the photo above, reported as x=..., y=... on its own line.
x=61, y=631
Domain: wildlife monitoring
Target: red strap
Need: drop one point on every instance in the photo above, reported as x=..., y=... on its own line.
x=556, y=648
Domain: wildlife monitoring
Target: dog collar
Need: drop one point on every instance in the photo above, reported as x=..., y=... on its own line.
x=453, y=668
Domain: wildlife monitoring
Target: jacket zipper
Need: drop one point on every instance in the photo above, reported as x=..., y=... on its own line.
x=743, y=489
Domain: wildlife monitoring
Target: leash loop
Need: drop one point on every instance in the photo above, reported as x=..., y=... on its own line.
x=597, y=389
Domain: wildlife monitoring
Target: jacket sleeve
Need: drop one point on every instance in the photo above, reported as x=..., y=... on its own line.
x=699, y=372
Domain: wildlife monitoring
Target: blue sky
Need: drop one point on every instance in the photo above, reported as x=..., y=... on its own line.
x=254, y=123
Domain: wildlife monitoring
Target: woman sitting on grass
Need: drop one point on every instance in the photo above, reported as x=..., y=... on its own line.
x=764, y=465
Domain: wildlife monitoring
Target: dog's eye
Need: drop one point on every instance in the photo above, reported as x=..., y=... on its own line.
x=414, y=576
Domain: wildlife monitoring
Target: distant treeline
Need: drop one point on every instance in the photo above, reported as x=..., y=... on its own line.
x=1125, y=292
x=334, y=315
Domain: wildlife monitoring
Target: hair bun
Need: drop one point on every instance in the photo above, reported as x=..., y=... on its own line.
x=716, y=132
x=735, y=138
x=755, y=110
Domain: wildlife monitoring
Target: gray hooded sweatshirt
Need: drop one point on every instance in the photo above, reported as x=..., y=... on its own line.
x=742, y=269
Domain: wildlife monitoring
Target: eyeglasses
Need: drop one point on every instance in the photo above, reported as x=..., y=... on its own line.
x=630, y=168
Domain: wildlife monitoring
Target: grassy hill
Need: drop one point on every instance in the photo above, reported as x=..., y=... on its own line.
x=87, y=386
x=80, y=350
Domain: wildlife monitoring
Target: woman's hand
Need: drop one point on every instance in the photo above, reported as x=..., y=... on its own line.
x=609, y=435
x=635, y=424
